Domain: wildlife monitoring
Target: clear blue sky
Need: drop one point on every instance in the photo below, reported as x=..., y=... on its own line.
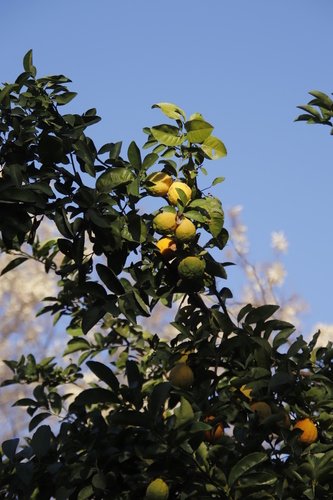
x=245, y=65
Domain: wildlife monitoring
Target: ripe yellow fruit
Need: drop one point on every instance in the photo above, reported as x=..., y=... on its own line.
x=246, y=392
x=173, y=193
x=167, y=247
x=191, y=268
x=165, y=223
x=310, y=432
x=181, y=376
x=159, y=183
x=215, y=433
x=185, y=231
x=262, y=408
x=157, y=490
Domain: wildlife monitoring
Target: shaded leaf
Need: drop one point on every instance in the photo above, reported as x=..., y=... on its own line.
x=244, y=465
x=105, y=374
x=9, y=447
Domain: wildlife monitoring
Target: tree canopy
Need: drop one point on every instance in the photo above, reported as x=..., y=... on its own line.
x=230, y=408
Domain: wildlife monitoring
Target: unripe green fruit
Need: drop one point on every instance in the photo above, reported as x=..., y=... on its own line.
x=181, y=376
x=185, y=231
x=191, y=268
x=165, y=223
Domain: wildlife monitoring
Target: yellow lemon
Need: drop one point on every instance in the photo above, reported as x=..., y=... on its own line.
x=173, y=194
x=159, y=183
x=181, y=376
x=157, y=490
x=165, y=223
x=185, y=231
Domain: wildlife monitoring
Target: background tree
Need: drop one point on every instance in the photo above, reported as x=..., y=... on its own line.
x=228, y=408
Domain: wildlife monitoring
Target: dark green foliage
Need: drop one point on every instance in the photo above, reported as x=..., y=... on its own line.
x=133, y=426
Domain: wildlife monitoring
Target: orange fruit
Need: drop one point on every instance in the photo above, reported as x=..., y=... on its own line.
x=215, y=433
x=167, y=247
x=181, y=376
x=310, y=432
x=262, y=408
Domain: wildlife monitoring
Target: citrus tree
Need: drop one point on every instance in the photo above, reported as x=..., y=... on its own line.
x=226, y=409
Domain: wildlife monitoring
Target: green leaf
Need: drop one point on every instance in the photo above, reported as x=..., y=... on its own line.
x=99, y=481
x=113, y=178
x=9, y=447
x=76, y=344
x=64, y=98
x=18, y=194
x=311, y=110
x=261, y=313
x=256, y=479
x=95, y=396
x=7, y=90
x=325, y=101
x=218, y=180
x=131, y=417
x=133, y=375
x=244, y=465
x=85, y=493
x=170, y=110
x=41, y=440
x=198, y=131
x=90, y=318
x=149, y=160
x=168, y=135
x=105, y=374
x=38, y=419
x=12, y=264
x=110, y=279
x=27, y=63
x=184, y=414
x=214, y=148
x=158, y=397
x=134, y=156
x=279, y=381
x=25, y=471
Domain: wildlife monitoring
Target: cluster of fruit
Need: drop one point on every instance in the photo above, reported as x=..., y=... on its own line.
x=263, y=410
x=175, y=229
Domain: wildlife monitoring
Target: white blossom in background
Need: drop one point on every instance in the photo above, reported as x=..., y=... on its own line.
x=279, y=242
x=21, y=293
x=276, y=274
x=326, y=333
x=264, y=281
x=238, y=231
